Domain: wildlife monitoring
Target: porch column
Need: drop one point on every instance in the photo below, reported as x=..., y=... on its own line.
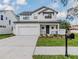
x=58, y=28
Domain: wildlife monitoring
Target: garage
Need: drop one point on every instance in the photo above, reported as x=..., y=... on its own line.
x=27, y=29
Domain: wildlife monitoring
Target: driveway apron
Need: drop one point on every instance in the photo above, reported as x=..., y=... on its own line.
x=18, y=47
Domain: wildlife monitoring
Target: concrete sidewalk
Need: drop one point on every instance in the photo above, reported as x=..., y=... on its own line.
x=55, y=51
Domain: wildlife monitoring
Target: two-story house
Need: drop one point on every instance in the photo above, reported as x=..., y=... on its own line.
x=7, y=17
x=41, y=21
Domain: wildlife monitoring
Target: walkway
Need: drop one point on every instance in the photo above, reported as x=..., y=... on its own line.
x=55, y=51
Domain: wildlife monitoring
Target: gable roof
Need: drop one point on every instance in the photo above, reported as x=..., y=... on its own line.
x=39, y=9
x=30, y=13
x=46, y=8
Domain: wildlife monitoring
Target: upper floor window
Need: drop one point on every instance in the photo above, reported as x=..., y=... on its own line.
x=35, y=17
x=1, y=17
x=25, y=18
x=6, y=18
x=48, y=16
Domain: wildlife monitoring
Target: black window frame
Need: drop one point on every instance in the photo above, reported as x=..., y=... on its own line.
x=35, y=17
x=1, y=17
x=2, y=26
x=9, y=22
x=26, y=18
x=6, y=18
x=42, y=27
x=52, y=27
x=48, y=16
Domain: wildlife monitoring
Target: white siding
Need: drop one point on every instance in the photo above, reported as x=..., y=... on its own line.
x=62, y=31
x=10, y=16
x=74, y=31
x=53, y=31
x=43, y=31
x=40, y=17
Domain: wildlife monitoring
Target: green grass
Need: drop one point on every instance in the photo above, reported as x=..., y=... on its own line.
x=2, y=36
x=57, y=42
x=53, y=57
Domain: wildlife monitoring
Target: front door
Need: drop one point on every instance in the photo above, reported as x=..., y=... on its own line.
x=47, y=29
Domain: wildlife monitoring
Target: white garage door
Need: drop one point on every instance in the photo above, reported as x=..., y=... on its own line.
x=28, y=30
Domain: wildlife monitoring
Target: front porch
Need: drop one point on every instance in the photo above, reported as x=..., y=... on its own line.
x=47, y=29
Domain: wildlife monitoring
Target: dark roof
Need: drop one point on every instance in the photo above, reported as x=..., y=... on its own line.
x=39, y=9
x=5, y=10
x=26, y=13
x=37, y=22
x=45, y=9
x=30, y=13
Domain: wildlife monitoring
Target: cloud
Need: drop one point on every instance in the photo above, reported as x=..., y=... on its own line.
x=72, y=3
x=62, y=14
x=1, y=7
x=21, y=2
x=8, y=7
x=55, y=4
x=6, y=1
x=12, y=4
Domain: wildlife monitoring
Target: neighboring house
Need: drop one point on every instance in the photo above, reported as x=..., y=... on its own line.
x=41, y=21
x=7, y=18
x=74, y=28
x=73, y=11
x=72, y=14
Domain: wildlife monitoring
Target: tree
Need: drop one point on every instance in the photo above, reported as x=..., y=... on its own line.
x=64, y=24
x=64, y=2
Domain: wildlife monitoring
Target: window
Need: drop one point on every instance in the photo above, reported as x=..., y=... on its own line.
x=52, y=27
x=42, y=27
x=1, y=17
x=48, y=16
x=35, y=17
x=12, y=28
x=6, y=18
x=1, y=26
x=9, y=22
x=25, y=18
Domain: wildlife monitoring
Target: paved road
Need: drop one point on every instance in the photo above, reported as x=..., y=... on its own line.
x=17, y=47
x=55, y=51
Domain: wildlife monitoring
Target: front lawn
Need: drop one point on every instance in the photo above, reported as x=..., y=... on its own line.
x=45, y=41
x=53, y=57
x=2, y=36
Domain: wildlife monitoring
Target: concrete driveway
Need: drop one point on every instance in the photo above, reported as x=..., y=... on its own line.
x=17, y=47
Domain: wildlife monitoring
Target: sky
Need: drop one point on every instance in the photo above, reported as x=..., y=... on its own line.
x=19, y=6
